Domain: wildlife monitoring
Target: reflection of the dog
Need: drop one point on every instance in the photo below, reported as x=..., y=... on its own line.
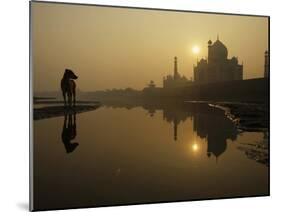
x=69, y=132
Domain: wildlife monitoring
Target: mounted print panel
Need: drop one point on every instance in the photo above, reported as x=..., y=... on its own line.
x=136, y=105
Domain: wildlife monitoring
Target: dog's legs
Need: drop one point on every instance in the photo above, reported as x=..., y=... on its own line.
x=69, y=99
x=64, y=100
x=64, y=122
x=74, y=97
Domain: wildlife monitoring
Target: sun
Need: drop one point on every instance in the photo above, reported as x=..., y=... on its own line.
x=195, y=147
x=195, y=49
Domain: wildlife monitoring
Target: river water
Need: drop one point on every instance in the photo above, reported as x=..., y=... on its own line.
x=142, y=153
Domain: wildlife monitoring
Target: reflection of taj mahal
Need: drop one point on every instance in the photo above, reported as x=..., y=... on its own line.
x=217, y=67
x=208, y=123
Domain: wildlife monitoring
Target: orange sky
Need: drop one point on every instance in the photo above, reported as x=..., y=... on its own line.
x=119, y=47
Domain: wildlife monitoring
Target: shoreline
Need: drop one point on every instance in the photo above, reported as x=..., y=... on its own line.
x=249, y=117
x=49, y=101
x=60, y=110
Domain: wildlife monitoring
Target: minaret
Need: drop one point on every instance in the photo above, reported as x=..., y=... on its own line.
x=209, y=47
x=176, y=74
x=266, y=64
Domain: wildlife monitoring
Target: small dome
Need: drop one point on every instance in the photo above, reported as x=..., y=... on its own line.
x=202, y=61
x=234, y=60
x=210, y=42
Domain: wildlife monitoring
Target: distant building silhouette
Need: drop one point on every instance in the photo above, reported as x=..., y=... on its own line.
x=151, y=84
x=177, y=80
x=217, y=68
x=266, y=64
x=151, y=89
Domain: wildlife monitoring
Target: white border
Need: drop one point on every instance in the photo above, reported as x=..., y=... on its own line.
x=14, y=86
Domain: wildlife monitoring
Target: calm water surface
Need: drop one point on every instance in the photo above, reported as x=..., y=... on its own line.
x=124, y=154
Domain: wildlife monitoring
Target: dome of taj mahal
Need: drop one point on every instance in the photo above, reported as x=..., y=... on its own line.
x=219, y=49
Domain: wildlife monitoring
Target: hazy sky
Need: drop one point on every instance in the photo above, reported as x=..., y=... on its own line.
x=120, y=48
